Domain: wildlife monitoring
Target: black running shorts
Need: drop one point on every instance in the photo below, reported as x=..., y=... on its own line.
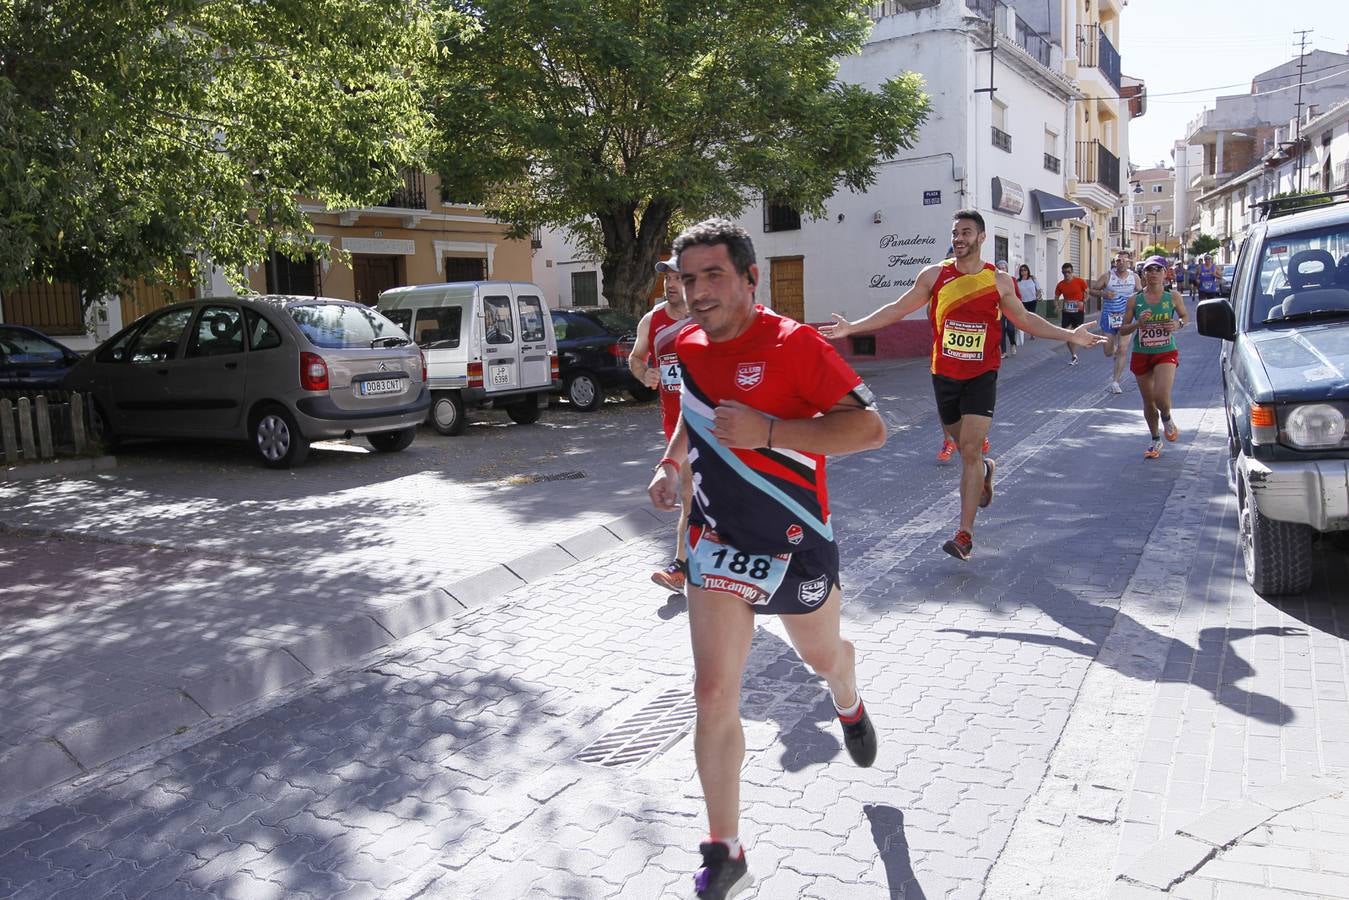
x=1073, y=320
x=968, y=397
x=784, y=584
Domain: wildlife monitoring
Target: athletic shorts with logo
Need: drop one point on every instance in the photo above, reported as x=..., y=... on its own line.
x=958, y=397
x=1143, y=363
x=780, y=584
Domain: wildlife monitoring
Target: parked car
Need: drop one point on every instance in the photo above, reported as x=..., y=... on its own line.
x=29, y=360
x=488, y=344
x=1225, y=275
x=593, y=344
x=277, y=371
x=1284, y=358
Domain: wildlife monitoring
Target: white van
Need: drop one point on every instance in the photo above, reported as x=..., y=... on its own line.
x=487, y=344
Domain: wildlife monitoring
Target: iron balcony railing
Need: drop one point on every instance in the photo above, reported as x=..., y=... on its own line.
x=1095, y=51
x=412, y=194
x=1001, y=139
x=1097, y=165
x=1026, y=36
x=1052, y=163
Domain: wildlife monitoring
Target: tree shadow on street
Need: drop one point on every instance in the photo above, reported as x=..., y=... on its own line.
x=1213, y=664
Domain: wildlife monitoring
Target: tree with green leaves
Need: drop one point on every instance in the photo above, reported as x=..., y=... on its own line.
x=619, y=120
x=1154, y=250
x=136, y=137
x=1203, y=244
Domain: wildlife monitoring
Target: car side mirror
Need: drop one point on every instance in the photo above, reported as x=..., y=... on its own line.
x=1217, y=319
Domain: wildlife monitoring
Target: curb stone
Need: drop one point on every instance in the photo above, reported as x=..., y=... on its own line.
x=58, y=468
x=49, y=760
x=1176, y=857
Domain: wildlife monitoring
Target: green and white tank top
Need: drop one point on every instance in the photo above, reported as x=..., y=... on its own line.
x=1154, y=334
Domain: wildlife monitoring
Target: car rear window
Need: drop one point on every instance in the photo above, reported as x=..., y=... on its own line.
x=332, y=326
x=615, y=322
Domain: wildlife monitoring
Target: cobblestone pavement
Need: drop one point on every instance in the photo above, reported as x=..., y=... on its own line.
x=1013, y=694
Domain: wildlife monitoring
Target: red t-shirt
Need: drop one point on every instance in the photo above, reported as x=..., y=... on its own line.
x=1074, y=293
x=762, y=500
x=661, y=339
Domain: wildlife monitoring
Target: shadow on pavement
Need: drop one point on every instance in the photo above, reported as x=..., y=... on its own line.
x=1213, y=664
x=887, y=830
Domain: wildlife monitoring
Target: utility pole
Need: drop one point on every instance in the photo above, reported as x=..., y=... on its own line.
x=1301, y=71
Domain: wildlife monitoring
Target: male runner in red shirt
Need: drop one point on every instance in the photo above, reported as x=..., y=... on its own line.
x=656, y=335
x=764, y=399
x=966, y=300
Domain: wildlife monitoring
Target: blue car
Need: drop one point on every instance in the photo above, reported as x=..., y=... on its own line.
x=29, y=360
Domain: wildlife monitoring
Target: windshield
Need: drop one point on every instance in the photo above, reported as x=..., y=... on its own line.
x=332, y=326
x=1302, y=274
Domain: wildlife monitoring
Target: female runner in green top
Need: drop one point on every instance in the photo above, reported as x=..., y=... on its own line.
x=1154, y=315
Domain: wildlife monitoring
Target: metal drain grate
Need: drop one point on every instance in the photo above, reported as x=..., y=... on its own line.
x=653, y=728
x=539, y=479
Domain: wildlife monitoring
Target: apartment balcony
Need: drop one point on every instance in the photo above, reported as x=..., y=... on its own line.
x=412, y=193
x=1038, y=46
x=1098, y=62
x=1096, y=177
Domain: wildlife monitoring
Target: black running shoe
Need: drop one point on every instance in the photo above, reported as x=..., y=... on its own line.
x=720, y=877
x=860, y=738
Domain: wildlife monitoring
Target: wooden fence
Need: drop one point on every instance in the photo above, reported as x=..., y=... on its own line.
x=43, y=426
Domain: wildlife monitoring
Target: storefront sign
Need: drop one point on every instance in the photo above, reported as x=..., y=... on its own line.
x=904, y=256
x=1008, y=196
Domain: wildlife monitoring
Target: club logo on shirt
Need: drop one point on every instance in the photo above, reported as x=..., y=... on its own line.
x=813, y=592
x=749, y=375
x=795, y=533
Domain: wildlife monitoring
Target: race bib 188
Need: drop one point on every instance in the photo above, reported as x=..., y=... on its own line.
x=721, y=567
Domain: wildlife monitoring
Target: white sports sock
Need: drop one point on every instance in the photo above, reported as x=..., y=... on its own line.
x=732, y=845
x=850, y=711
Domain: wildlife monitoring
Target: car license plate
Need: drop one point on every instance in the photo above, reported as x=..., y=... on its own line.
x=501, y=375
x=382, y=386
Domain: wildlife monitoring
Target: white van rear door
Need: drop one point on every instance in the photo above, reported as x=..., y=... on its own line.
x=500, y=342
x=534, y=368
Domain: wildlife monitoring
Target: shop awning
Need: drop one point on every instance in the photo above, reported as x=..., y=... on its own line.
x=1053, y=207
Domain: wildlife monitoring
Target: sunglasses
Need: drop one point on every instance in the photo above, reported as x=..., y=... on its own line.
x=1154, y=268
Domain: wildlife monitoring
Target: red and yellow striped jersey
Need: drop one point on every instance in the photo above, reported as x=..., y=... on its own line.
x=966, y=322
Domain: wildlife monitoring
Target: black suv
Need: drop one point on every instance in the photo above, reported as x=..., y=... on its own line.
x=1285, y=368
x=593, y=343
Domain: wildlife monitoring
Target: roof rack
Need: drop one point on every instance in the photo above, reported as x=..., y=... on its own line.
x=1283, y=206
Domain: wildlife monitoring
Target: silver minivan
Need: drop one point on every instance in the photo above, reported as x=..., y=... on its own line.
x=278, y=371
x=487, y=344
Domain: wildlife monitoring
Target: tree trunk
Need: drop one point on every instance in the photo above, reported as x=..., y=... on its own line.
x=631, y=251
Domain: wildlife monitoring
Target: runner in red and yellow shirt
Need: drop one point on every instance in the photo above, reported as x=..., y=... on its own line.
x=655, y=342
x=966, y=300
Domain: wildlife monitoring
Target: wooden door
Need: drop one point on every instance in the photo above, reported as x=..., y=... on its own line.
x=788, y=292
x=374, y=274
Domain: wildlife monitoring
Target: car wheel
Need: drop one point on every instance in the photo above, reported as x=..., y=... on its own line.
x=392, y=441
x=526, y=413
x=447, y=413
x=100, y=429
x=1277, y=555
x=584, y=392
x=277, y=438
x=642, y=394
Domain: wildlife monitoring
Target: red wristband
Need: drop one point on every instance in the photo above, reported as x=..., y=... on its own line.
x=666, y=459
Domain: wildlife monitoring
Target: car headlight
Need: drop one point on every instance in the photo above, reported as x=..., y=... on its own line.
x=1314, y=426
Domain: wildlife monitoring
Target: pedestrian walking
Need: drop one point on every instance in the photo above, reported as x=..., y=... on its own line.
x=655, y=342
x=1008, y=343
x=1115, y=288
x=1029, y=288
x=1153, y=316
x=967, y=300
x=1072, y=292
x=764, y=400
